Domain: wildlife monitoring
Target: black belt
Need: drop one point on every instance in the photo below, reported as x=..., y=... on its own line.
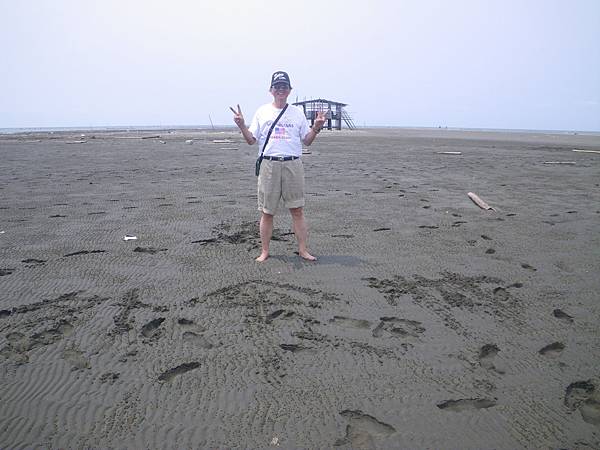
x=280, y=158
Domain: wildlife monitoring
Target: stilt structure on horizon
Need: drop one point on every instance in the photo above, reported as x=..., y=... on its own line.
x=335, y=116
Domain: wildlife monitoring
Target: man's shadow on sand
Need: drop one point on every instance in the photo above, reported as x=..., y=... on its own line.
x=340, y=260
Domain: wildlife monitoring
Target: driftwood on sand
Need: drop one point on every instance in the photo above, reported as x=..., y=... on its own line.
x=479, y=202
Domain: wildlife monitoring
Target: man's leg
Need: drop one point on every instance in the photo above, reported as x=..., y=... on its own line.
x=301, y=231
x=266, y=231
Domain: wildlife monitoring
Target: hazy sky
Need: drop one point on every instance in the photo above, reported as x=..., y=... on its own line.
x=484, y=64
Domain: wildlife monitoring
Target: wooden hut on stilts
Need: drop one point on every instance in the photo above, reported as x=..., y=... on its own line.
x=336, y=114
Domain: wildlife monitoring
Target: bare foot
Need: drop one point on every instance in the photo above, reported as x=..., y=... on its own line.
x=262, y=257
x=307, y=256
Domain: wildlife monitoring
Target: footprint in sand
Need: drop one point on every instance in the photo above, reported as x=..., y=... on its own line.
x=76, y=359
x=183, y=321
x=4, y=272
x=490, y=251
x=84, y=252
x=149, y=250
x=280, y=313
x=150, y=329
x=19, y=344
x=466, y=404
x=528, y=267
x=349, y=322
x=398, y=327
x=585, y=397
x=362, y=429
x=205, y=241
x=34, y=261
x=198, y=340
x=295, y=348
x=501, y=294
x=170, y=374
x=109, y=377
x=487, y=358
x=553, y=349
x=560, y=314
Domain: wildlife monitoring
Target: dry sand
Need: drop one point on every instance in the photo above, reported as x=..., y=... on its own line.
x=426, y=323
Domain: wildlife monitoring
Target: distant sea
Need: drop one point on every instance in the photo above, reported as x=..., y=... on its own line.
x=111, y=128
x=125, y=128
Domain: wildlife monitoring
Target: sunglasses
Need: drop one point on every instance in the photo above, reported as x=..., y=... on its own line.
x=280, y=86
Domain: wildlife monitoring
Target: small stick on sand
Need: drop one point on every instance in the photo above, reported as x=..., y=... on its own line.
x=75, y=142
x=449, y=153
x=157, y=136
x=479, y=202
x=559, y=162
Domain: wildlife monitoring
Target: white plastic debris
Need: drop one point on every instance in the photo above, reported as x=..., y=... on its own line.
x=129, y=237
x=189, y=141
x=586, y=151
x=479, y=202
x=275, y=441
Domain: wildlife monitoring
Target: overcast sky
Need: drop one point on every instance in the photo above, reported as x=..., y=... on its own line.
x=522, y=64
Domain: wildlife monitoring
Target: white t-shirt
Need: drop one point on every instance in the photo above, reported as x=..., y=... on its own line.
x=286, y=138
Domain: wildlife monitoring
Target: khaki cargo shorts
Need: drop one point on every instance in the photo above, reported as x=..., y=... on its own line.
x=280, y=180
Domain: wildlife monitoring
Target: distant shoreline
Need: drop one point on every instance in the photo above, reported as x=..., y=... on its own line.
x=124, y=128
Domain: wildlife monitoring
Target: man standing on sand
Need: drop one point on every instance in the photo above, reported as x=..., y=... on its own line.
x=281, y=172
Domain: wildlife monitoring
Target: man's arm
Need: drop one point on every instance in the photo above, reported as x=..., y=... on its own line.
x=310, y=136
x=316, y=128
x=238, y=118
x=250, y=139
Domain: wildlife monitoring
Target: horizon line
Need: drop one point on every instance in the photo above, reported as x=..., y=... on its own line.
x=16, y=130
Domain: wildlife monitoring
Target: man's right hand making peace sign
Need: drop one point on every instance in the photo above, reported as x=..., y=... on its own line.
x=238, y=118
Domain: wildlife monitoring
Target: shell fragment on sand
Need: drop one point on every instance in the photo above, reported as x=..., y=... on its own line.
x=129, y=237
x=449, y=153
x=479, y=202
x=560, y=162
x=189, y=141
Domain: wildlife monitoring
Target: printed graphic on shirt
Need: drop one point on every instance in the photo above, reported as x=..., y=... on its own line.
x=281, y=131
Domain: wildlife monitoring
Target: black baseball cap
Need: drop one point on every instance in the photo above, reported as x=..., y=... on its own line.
x=280, y=77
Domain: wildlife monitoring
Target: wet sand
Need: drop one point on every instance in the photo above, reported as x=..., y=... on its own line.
x=427, y=322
